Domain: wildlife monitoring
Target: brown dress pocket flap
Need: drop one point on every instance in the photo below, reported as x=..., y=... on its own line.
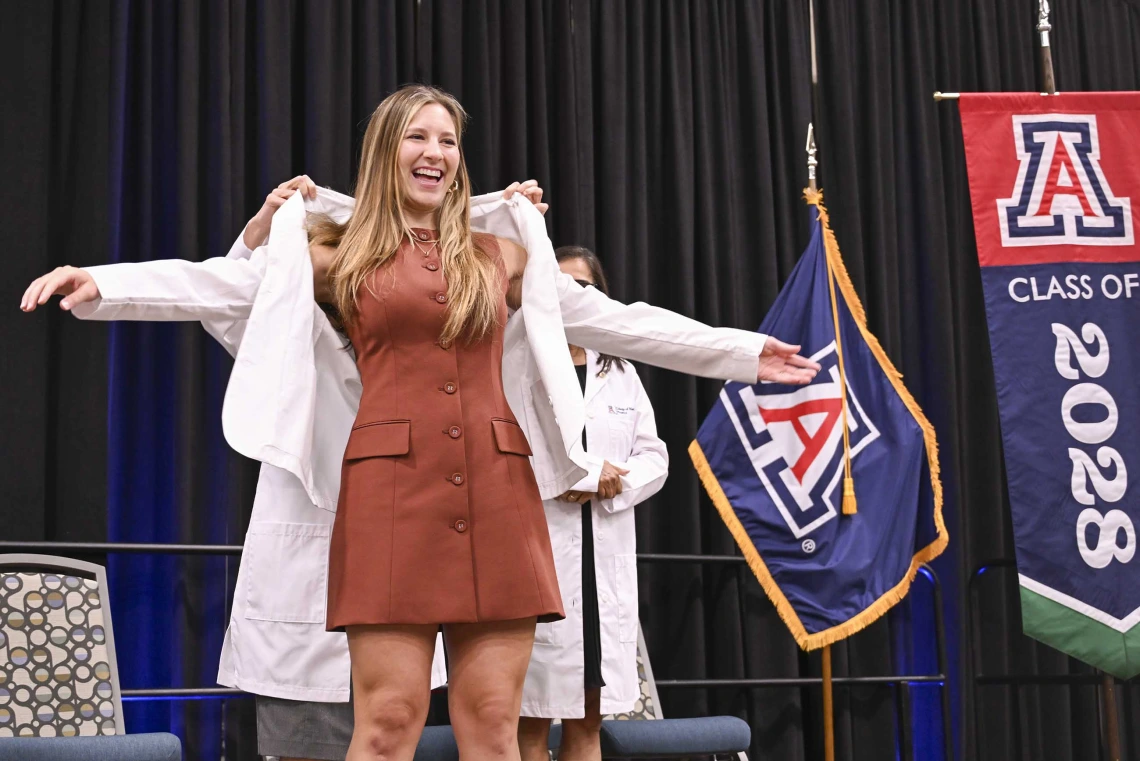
x=384, y=439
x=509, y=437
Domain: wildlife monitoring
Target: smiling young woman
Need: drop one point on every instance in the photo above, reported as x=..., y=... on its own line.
x=440, y=520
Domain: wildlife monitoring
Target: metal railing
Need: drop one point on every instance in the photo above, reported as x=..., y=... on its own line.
x=1015, y=682
x=899, y=682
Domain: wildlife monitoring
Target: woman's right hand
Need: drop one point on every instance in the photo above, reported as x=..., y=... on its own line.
x=75, y=285
x=257, y=230
x=609, y=482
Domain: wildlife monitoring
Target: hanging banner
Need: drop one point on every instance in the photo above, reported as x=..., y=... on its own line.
x=1052, y=181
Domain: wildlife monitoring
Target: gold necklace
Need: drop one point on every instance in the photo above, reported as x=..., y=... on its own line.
x=431, y=248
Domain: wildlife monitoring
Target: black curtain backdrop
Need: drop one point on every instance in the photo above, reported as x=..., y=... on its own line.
x=669, y=137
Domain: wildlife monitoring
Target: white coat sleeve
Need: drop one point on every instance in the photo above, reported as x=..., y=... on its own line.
x=175, y=290
x=656, y=336
x=648, y=461
x=229, y=332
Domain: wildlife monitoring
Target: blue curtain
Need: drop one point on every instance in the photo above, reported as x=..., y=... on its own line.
x=171, y=476
x=669, y=137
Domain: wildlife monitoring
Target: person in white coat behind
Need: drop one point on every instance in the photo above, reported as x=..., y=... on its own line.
x=585, y=666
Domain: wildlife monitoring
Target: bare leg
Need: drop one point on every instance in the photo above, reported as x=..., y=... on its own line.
x=582, y=738
x=391, y=689
x=487, y=663
x=534, y=738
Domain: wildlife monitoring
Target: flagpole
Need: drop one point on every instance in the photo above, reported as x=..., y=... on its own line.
x=1044, y=50
x=828, y=713
x=1111, y=726
x=810, y=147
x=1043, y=27
x=828, y=716
x=1107, y=683
x=812, y=163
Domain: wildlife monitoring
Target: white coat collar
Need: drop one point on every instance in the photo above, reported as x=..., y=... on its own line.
x=595, y=379
x=542, y=338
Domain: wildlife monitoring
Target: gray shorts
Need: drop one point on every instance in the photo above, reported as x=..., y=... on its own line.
x=303, y=729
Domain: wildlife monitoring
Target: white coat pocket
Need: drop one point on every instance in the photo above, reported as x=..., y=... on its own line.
x=625, y=571
x=287, y=575
x=549, y=634
x=621, y=433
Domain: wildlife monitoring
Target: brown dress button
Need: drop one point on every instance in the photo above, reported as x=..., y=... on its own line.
x=457, y=479
x=454, y=432
x=441, y=297
x=461, y=525
x=432, y=266
x=449, y=388
x=444, y=344
x=423, y=236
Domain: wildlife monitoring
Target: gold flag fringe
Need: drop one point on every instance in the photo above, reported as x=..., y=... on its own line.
x=728, y=515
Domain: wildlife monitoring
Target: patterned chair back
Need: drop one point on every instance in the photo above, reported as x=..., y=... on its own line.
x=58, y=672
x=648, y=706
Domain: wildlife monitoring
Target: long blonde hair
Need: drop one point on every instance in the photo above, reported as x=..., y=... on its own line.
x=377, y=227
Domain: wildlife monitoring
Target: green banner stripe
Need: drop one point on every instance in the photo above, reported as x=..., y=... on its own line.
x=1080, y=636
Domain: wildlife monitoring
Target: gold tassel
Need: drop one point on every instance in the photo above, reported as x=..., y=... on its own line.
x=849, y=506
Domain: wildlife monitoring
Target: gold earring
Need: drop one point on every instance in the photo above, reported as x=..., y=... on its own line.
x=454, y=187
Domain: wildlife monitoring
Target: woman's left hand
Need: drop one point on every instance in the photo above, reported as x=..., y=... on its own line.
x=257, y=229
x=577, y=496
x=609, y=485
x=781, y=363
x=531, y=191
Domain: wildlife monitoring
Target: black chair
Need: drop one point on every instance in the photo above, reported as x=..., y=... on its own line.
x=642, y=733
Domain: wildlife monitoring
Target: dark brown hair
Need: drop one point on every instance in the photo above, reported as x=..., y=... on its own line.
x=567, y=253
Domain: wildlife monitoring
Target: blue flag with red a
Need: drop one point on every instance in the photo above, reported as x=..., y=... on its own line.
x=776, y=461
